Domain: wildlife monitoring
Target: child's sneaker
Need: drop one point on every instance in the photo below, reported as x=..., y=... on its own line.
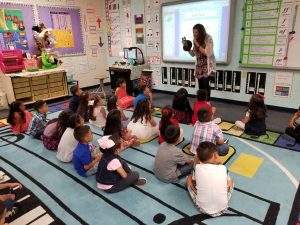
x=141, y=181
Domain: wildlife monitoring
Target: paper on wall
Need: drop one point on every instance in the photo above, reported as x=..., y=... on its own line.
x=283, y=82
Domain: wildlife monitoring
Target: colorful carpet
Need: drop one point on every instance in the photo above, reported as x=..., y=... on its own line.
x=266, y=183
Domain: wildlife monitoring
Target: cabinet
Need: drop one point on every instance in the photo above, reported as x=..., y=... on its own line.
x=30, y=87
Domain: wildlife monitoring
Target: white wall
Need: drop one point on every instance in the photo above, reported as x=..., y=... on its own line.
x=138, y=6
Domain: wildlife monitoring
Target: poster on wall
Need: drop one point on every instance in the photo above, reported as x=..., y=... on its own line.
x=139, y=28
x=112, y=10
x=283, y=82
x=67, y=29
x=15, y=27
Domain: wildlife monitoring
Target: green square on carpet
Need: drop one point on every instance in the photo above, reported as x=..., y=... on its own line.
x=269, y=138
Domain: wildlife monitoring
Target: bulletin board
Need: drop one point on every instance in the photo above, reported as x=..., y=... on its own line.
x=67, y=29
x=16, y=21
x=271, y=34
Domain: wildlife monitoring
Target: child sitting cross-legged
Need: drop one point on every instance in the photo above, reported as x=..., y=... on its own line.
x=18, y=118
x=207, y=130
x=201, y=102
x=142, y=123
x=124, y=100
x=113, y=174
x=114, y=126
x=84, y=161
x=83, y=107
x=254, y=122
x=68, y=142
x=112, y=104
x=39, y=120
x=293, y=128
x=97, y=112
x=170, y=162
x=210, y=187
x=55, y=129
x=145, y=93
x=74, y=101
x=167, y=119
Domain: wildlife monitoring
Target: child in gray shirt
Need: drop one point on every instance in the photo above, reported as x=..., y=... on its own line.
x=170, y=162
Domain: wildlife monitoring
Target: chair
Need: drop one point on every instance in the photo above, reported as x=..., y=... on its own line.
x=100, y=90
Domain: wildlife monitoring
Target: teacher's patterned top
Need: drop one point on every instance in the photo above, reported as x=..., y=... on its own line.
x=205, y=65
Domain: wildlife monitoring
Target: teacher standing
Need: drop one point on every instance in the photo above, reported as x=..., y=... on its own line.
x=205, y=59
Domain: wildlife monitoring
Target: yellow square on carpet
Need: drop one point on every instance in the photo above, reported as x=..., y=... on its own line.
x=226, y=126
x=4, y=121
x=246, y=165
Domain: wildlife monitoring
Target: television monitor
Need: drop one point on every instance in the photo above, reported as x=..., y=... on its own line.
x=130, y=53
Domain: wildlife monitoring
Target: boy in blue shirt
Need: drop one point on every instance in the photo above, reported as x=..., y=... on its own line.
x=83, y=160
x=145, y=93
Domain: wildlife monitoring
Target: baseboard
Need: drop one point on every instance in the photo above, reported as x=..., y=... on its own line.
x=230, y=101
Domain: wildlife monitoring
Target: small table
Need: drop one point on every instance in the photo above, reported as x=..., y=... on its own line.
x=100, y=90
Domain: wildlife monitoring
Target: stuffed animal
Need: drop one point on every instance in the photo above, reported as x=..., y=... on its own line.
x=44, y=42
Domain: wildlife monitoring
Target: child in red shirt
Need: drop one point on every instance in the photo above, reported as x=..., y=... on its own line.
x=167, y=119
x=201, y=102
x=124, y=100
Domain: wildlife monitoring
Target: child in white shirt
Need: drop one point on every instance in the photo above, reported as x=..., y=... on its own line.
x=211, y=187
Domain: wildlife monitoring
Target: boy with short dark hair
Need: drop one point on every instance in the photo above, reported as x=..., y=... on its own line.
x=200, y=103
x=85, y=163
x=170, y=162
x=207, y=130
x=74, y=101
x=210, y=187
x=145, y=93
x=39, y=120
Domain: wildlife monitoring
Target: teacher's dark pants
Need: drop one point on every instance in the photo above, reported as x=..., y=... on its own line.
x=204, y=84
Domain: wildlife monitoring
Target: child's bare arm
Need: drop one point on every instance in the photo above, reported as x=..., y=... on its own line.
x=292, y=120
x=10, y=185
x=230, y=183
x=122, y=172
x=152, y=122
x=245, y=119
x=91, y=164
x=102, y=110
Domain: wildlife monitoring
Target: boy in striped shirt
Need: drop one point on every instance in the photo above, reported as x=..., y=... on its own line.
x=207, y=130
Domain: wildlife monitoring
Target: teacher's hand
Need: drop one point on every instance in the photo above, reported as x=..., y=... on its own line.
x=196, y=44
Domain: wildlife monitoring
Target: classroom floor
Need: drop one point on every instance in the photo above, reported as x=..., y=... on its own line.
x=266, y=180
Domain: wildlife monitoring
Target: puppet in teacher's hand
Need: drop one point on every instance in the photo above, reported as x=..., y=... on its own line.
x=44, y=43
x=187, y=44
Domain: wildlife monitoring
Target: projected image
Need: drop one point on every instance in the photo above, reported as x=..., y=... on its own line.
x=178, y=21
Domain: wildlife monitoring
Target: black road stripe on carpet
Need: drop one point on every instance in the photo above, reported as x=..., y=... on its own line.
x=271, y=215
x=79, y=182
x=30, y=203
x=295, y=213
x=49, y=193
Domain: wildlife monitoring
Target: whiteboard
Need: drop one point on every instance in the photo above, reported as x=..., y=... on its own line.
x=271, y=36
x=178, y=19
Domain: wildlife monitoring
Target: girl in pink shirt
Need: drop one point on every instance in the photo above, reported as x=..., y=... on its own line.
x=18, y=118
x=124, y=100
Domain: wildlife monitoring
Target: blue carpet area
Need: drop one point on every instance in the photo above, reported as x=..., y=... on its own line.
x=266, y=198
